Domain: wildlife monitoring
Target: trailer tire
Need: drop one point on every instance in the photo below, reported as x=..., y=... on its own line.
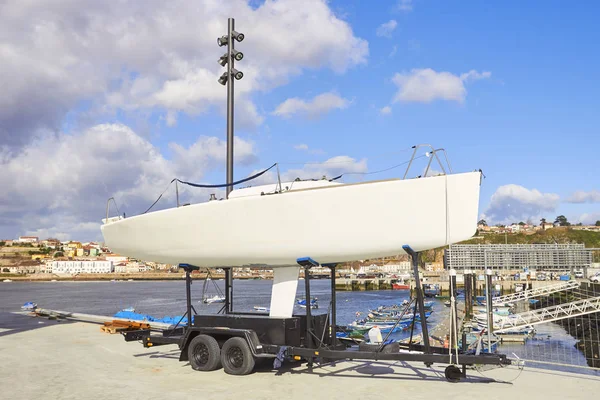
x=236, y=357
x=204, y=353
x=453, y=373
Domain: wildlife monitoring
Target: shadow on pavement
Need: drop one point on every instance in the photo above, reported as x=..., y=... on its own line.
x=11, y=324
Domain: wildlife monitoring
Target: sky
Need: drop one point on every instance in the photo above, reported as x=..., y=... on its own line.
x=115, y=99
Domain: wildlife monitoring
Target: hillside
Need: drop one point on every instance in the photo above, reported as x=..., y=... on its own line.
x=561, y=235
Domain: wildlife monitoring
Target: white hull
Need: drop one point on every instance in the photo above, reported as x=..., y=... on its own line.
x=334, y=223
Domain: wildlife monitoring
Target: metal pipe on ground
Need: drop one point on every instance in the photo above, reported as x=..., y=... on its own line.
x=97, y=319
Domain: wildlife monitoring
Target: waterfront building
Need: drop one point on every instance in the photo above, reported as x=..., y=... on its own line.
x=546, y=257
x=80, y=267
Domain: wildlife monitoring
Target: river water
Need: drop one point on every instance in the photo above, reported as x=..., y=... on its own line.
x=167, y=298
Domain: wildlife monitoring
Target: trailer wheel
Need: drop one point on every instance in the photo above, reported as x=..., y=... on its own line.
x=453, y=373
x=236, y=357
x=204, y=353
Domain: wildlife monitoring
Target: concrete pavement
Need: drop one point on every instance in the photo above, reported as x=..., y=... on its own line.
x=42, y=359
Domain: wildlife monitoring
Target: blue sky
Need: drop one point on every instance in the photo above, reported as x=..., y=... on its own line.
x=509, y=88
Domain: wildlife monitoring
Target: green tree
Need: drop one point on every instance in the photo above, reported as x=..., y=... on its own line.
x=5, y=270
x=521, y=223
x=597, y=223
x=59, y=254
x=562, y=221
x=2, y=244
x=484, y=223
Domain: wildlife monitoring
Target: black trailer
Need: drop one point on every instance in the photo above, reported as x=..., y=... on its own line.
x=235, y=341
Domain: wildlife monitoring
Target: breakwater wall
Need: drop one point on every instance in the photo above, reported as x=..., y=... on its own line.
x=500, y=287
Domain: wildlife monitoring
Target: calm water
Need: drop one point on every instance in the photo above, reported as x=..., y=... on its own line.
x=163, y=298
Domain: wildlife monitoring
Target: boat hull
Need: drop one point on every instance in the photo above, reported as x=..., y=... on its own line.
x=329, y=224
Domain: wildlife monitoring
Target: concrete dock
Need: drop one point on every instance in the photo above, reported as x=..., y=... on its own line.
x=44, y=359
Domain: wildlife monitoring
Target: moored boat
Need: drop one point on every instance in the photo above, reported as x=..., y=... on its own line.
x=400, y=286
x=215, y=299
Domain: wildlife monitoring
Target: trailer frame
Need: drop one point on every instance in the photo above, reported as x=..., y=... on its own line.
x=237, y=336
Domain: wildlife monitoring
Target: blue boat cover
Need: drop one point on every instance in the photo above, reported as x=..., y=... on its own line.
x=145, y=317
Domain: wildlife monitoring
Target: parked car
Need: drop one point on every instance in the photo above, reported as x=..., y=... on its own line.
x=595, y=278
x=541, y=276
x=579, y=274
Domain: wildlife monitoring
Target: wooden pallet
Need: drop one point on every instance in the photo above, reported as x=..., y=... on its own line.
x=121, y=326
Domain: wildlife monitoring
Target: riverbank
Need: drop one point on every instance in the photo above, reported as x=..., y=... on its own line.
x=79, y=361
x=142, y=276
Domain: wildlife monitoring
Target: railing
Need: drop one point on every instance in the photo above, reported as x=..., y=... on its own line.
x=433, y=153
x=550, y=314
x=527, y=294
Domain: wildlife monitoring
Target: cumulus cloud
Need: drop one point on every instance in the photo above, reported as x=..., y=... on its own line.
x=588, y=218
x=593, y=196
x=153, y=56
x=514, y=202
x=385, y=110
x=316, y=107
x=301, y=147
x=58, y=185
x=386, y=29
x=330, y=168
x=427, y=85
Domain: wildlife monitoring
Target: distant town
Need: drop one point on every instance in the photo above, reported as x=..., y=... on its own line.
x=30, y=256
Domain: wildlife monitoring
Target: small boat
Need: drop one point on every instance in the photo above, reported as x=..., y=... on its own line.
x=215, y=299
x=29, y=306
x=400, y=286
x=261, y=309
x=129, y=309
x=129, y=280
x=314, y=302
x=53, y=280
x=447, y=303
x=7, y=280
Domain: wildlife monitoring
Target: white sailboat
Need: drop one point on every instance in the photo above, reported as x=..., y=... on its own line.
x=317, y=221
x=274, y=225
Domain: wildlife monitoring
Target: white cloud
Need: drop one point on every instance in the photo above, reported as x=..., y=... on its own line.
x=593, y=196
x=473, y=75
x=316, y=107
x=385, y=110
x=154, y=56
x=301, y=147
x=427, y=85
x=394, y=51
x=58, y=185
x=588, y=218
x=512, y=203
x=386, y=29
x=404, y=5
x=330, y=168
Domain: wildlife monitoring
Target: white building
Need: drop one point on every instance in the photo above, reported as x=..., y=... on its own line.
x=79, y=267
x=401, y=266
x=28, y=239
